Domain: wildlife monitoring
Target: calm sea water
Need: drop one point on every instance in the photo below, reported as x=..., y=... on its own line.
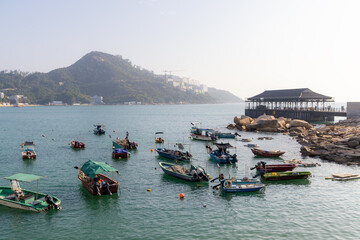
x=316, y=209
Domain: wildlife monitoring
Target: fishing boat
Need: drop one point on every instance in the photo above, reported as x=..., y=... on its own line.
x=125, y=143
x=197, y=129
x=234, y=185
x=120, y=153
x=77, y=145
x=192, y=174
x=246, y=140
x=264, y=153
x=174, y=154
x=289, y=175
x=204, y=136
x=221, y=155
x=226, y=135
x=99, y=129
x=28, y=150
x=16, y=197
x=93, y=178
x=159, y=137
x=274, y=167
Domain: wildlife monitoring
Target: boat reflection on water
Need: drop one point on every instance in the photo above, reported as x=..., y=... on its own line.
x=288, y=182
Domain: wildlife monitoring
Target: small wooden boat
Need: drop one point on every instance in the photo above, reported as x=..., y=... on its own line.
x=159, y=137
x=77, y=145
x=192, y=174
x=92, y=176
x=120, y=153
x=174, y=154
x=204, y=136
x=264, y=153
x=99, y=129
x=289, y=175
x=234, y=185
x=28, y=150
x=15, y=197
x=344, y=177
x=274, y=167
x=221, y=155
x=240, y=185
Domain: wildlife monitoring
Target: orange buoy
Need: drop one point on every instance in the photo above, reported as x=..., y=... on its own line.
x=151, y=150
x=149, y=190
x=182, y=195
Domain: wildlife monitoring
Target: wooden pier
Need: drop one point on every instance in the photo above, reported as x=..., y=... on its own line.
x=301, y=104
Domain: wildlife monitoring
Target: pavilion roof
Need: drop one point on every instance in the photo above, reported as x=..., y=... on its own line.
x=299, y=94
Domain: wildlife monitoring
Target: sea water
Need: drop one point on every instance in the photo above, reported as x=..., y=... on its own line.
x=314, y=209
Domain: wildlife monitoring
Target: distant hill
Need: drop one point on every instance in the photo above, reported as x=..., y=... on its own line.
x=222, y=96
x=97, y=73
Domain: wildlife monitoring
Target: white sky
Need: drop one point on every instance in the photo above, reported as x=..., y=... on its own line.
x=245, y=47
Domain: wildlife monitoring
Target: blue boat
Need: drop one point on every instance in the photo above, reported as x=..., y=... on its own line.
x=221, y=155
x=192, y=174
x=99, y=129
x=226, y=135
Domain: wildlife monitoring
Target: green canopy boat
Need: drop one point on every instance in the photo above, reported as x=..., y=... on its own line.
x=92, y=176
x=15, y=197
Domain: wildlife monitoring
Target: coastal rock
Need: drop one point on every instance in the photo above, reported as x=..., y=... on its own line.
x=300, y=123
x=353, y=143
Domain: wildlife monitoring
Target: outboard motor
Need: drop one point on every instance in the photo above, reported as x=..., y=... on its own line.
x=51, y=202
x=234, y=157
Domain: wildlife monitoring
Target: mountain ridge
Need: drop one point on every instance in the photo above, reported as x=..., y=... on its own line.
x=102, y=74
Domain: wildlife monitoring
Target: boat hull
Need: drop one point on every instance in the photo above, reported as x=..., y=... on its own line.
x=263, y=153
x=278, y=167
x=120, y=155
x=28, y=155
x=89, y=185
x=187, y=177
x=27, y=206
x=279, y=176
x=237, y=186
x=80, y=145
x=171, y=154
x=223, y=159
x=203, y=137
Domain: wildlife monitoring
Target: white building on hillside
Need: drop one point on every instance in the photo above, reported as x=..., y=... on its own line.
x=97, y=100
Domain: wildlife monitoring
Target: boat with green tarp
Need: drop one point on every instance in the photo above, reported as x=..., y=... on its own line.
x=16, y=197
x=92, y=175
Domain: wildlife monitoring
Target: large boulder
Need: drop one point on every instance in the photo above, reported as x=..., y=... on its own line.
x=300, y=123
x=243, y=120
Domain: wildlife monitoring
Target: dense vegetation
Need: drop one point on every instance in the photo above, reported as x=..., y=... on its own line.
x=114, y=78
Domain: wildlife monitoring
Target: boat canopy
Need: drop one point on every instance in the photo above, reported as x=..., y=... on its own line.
x=223, y=145
x=92, y=168
x=159, y=133
x=24, y=177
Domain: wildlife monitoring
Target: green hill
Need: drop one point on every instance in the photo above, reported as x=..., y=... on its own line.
x=97, y=73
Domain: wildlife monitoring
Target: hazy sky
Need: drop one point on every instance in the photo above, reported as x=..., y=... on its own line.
x=242, y=46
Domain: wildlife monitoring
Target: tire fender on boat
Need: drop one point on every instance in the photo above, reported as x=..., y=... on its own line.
x=227, y=184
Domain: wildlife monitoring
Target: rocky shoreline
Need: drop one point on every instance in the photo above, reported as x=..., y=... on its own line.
x=339, y=142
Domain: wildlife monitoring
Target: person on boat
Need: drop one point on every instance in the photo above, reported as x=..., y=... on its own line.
x=97, y=185
x=51, y=202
